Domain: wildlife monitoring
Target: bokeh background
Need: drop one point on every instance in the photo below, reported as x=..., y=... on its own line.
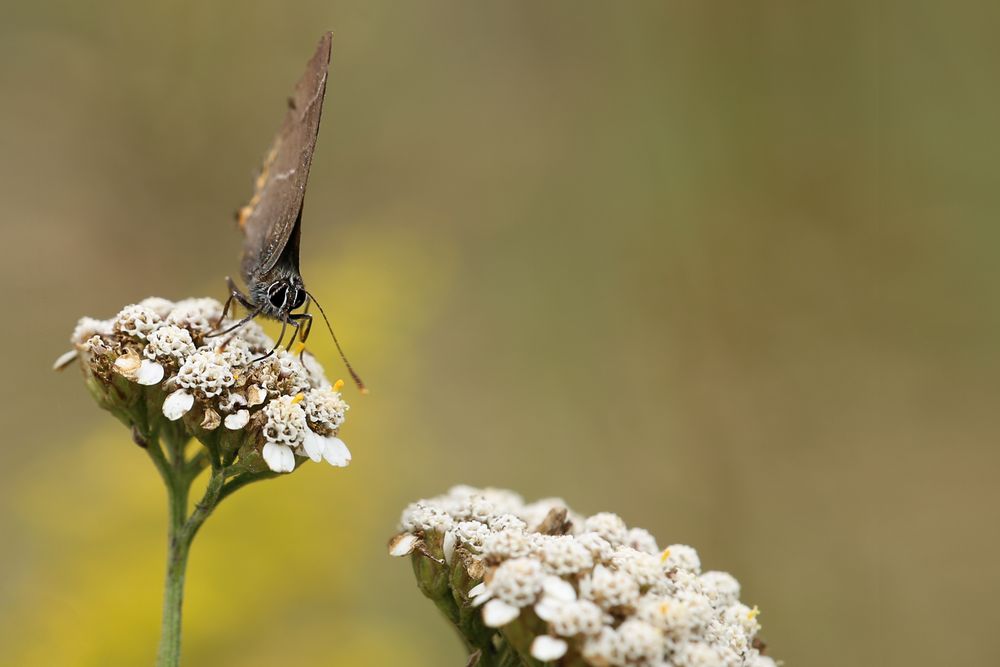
x=726, y=268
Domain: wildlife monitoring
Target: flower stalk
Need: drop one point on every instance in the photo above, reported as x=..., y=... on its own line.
x=178, y=474
x=178, y=545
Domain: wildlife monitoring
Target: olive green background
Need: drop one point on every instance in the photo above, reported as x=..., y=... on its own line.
x=726, y=268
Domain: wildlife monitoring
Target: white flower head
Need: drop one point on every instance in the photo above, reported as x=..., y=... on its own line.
x=168, y=342
x=579, y=617
x=206, y=373
x=423, y=516
x=158, y=305
x=198, y=316
x=729, y=635
x=325, y=408
x=609, y=526
x=682, y=557
x=472, y=534
x=254, y=335
x=643, y=567
x=508, y=543
x=682, y=615
x=88, y=327
x=292, y=372
x=599, y=648
x=286, y=421
x=641, y=539
x=504, y=501
x=742, y=616
x=720, y=587
x=610, y=588
x=563, y=555
x=276, y=407
x=602, y=592
x=517, y=581
x=636, y=642
x=237, y=353
x=136, y=321
x=702, y=654
x=315, y=371
x=282, y=373
x=502, y=522
x=599, y=548
x=476, y=508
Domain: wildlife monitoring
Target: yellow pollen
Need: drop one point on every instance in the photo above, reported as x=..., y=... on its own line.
x=665, y=555
x=664, y=607
x=298, y=398
x=753, y=613
x=299, y=348
x=338, y=385
x=236, y=375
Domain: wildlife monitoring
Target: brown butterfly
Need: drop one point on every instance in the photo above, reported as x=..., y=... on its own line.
x=272, y=220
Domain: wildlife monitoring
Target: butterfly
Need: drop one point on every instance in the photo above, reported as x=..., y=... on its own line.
x=271, y=221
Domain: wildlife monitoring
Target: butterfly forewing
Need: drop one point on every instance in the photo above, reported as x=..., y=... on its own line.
x=271, y=216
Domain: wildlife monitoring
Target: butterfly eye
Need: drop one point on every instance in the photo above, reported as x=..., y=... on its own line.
x=298, y=298
x=277, y=295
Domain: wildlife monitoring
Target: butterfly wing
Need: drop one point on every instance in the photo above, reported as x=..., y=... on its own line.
x=270, y=217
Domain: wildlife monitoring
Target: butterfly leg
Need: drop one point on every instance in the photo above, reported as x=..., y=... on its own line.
x=303, y=327
x=253, y=314
x=234, y=293
x=295, y=334
x=281, y=337
x=306, y=321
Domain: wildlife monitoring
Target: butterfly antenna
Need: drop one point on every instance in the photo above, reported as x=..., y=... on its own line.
x=354, y=376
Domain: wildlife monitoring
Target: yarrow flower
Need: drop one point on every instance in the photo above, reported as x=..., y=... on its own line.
x=156, y=362
x=542, y=582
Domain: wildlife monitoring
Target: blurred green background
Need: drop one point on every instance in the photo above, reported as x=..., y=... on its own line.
x=726, y=268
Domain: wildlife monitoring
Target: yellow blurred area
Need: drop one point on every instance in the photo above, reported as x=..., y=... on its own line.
x=727, y=269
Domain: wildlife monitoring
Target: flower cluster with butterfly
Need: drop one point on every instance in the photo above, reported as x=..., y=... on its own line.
x=156, y=365
x=536, y=582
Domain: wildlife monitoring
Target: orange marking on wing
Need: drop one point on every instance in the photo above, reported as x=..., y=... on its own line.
x=258, y=186
x=244, y=213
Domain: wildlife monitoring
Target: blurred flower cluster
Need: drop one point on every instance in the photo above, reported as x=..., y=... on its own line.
x=157, y=365
x=530, y=583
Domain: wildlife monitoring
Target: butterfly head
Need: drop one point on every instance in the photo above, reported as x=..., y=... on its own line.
x=282, y=295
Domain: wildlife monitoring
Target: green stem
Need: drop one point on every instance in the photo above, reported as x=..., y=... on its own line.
x=178, y=544
x=203, y=508
x=178, y=475
x=242, y=479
